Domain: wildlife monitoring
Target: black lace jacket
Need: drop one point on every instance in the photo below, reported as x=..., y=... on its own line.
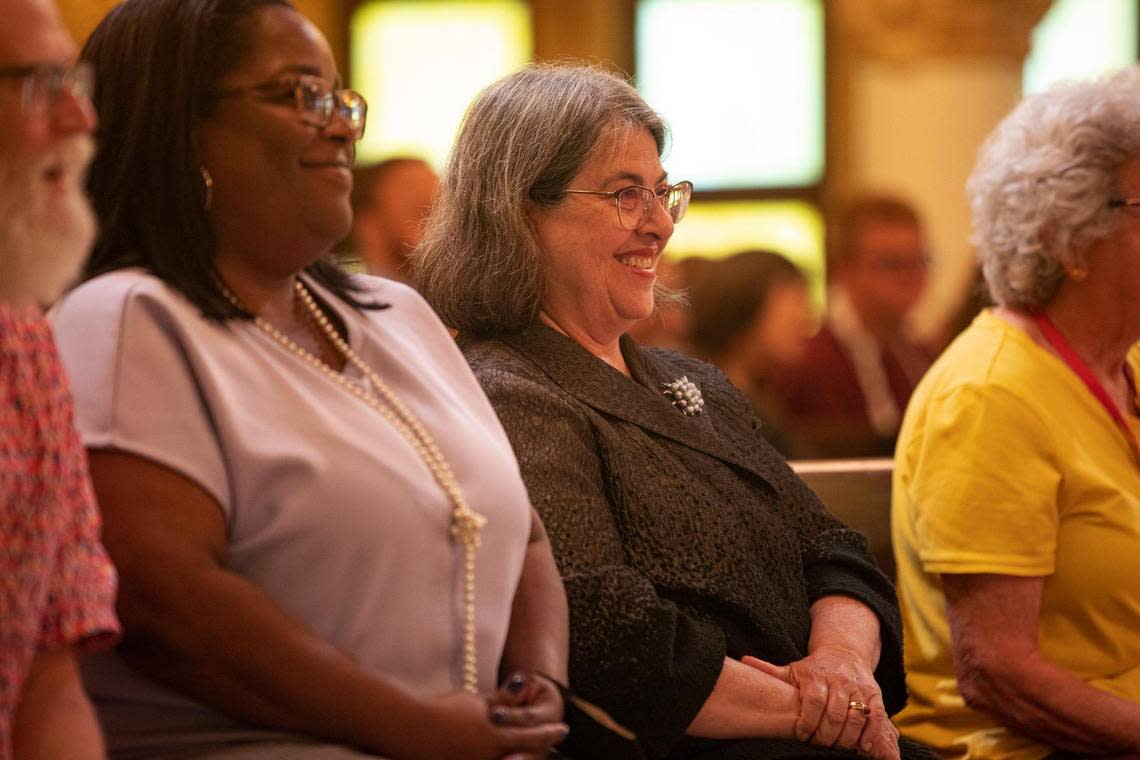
x=681, y=539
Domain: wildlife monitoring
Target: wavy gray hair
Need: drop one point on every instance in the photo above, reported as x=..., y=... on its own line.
x=523, y=140
x=1040, y=189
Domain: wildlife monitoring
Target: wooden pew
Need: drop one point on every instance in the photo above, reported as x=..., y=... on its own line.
x=858, y=492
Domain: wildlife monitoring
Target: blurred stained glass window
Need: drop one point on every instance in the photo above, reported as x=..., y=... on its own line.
x=1079, y=39
x=792, y=228
x=419, y=65
x=741, y=84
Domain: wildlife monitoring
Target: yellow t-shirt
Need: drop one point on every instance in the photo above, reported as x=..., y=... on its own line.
x=1007, y=464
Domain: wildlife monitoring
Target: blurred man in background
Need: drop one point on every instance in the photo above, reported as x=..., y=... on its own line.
x=846, y=398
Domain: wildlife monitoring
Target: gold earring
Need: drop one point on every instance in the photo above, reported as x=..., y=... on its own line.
x=208, y=181
x=1077, y=274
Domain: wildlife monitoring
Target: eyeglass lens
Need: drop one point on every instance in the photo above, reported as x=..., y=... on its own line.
x=635, y=204
x=323, y=104
x=43, y=87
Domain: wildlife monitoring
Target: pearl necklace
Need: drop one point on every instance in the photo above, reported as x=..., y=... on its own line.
x=465, y=522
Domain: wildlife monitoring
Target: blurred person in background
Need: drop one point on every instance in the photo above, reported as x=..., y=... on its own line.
x=1016, y=493
x=390, y=201
x=752, y=317
x=847, y=396
x=57, y=586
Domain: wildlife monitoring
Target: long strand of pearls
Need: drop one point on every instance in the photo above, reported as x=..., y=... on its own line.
x=466, y=523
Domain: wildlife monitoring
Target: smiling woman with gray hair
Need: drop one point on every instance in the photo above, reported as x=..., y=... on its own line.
x=1017, y=475
x=717, y=610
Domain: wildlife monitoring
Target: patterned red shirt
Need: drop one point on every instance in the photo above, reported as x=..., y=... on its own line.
x=57, y=586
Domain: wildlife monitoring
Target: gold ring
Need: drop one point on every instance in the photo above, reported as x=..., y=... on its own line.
x=862, y=707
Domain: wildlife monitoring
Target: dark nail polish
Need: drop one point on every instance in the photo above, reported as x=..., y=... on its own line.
x=498, y=715
x=515, y=683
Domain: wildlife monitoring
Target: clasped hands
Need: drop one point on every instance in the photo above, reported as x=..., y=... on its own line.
x=522, y=720
x=834, y=685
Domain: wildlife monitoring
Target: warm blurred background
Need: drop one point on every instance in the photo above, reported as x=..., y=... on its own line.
x=779, y=108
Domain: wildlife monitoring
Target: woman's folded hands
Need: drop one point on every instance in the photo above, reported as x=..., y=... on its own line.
x=522, y=719
x=840, y=704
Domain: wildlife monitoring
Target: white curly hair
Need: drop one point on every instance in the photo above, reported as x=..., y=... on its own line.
x=1040, y=189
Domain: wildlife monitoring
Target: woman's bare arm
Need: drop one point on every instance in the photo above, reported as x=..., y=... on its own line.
x=191, y=623
x=993, y=625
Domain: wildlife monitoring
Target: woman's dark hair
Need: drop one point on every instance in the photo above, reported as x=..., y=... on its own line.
x=157, y=64
x=727, y=295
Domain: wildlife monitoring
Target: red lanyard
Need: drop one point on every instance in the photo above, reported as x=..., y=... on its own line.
x=1057, y=340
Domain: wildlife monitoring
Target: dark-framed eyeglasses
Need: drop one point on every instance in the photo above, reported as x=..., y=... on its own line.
x=313, y=99
x=1123, y=202
x=896, y=265
x=44, y=84
x=635, y=203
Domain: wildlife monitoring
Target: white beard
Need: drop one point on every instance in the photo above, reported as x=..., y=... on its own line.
x=46, y=230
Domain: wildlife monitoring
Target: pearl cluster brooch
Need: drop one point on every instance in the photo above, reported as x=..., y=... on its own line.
x=685, y=396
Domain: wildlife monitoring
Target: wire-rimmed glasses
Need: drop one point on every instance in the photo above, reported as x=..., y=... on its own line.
x=635, y=203
x=313, y=99
x=45, y=84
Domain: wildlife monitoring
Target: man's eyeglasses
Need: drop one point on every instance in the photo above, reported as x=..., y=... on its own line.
x=44, y=85
x=313, y=99
x=896, y=266
x=635, y=203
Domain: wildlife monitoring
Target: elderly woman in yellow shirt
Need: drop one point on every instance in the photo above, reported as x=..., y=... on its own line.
x=1017, y=476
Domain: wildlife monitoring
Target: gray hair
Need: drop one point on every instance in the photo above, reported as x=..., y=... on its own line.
x=523, y=140
x=1040, y=189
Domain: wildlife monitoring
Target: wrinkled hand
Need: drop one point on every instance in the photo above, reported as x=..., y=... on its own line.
x=827, y=681
x=459, y=724
x=526, y=700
